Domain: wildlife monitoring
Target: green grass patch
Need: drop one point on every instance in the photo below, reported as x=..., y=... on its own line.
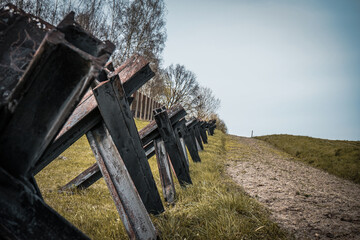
x=212, y=208
x=341, y=158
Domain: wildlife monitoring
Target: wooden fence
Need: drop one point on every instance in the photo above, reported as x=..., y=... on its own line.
x=142, y=106
x=67, y=92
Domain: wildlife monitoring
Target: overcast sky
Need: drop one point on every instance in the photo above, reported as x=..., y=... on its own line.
x=289, y=67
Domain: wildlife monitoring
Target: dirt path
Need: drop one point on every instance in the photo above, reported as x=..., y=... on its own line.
x=308, y=202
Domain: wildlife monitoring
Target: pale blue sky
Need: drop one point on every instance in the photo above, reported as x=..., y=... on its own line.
x=277, y=66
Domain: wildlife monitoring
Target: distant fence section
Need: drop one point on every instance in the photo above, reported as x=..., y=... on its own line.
x=142, y=106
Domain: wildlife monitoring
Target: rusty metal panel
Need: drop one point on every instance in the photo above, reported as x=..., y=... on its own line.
x=128, y=202
x=166, y=178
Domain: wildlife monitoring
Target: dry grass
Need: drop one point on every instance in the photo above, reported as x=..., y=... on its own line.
x=341, y=158
x=212, y=208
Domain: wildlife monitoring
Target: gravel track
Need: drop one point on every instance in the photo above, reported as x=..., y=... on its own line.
x=307, y=202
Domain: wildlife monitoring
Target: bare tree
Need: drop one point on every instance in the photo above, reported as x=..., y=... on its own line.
x=180, y=87
x=206, y=103
x=220, y=124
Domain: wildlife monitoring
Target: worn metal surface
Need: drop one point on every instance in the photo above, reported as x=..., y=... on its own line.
x=118, y=118
x=24, y=215
x=20, y=37
x=166, y=178
x=128, y=202
x=63, y=72
x=172, y=146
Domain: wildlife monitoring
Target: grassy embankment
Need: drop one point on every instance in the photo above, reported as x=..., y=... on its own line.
x=212, y=208
x=341, y=158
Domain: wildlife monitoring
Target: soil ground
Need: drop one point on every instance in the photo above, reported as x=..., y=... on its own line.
x=307, y=202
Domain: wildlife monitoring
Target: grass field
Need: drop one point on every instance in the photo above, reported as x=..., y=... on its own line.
x=341, y=158
x=212, y=208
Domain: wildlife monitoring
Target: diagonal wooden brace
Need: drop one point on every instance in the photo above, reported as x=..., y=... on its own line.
x=203, y=132
x=134, y=71
x=147, y=135
x=118, y=118
x=24, y=215
x=189, y=140
x=172, y=146
x=166, y=178
x=131, y=209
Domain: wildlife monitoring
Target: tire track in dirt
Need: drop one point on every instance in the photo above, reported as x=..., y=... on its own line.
x=307, y=202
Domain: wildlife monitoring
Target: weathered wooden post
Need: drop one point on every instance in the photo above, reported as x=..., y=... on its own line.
x=212, y=127
x=33, y=113
x=175, y=151
x=189, y=140
x=118, y=118
x=197, y=135
x=202, y=130
x=131, y=209
x=163, y=163
x=191, y=128
x=147, y=135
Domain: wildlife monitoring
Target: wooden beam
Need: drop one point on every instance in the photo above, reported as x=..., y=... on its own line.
x=118, y=118
x=147, y=135
x=24, y=215
x=87, y=115
x=163, y=163
x=131, y=209
x=172, y=147
x=203, y=132
x=189, y=141
x=62, y=71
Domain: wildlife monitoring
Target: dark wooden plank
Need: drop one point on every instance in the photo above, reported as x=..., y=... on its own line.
x=147, y=135
x=131, y=209
x=198, y=136
x=150, y=131
x=163, y=163
x=134, y=73
x=84, y=118
x=203, y=132
x=118, y=118
x=172, y=147
x=87, y=115
x=24, y=215
x=92, y=174
x=85, y=179
x=189, y=141
x=61, y=71
x=20, y=36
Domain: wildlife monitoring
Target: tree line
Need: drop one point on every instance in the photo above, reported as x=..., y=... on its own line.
x=136, y=26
